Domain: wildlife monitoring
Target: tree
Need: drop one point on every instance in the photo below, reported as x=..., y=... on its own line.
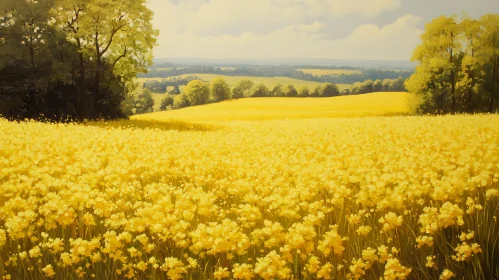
x=345, y=91
x=277, y=91
x=261, y=90
x=397, y=85
x=468, y=80
x=144, y=102
x=79, y=57
x=489, y=40
x=197, y=92
x=377, y=85
x=117, y=32
x=330, y=90
x=242, y=88
x=385, y=86
x=219, y=89
x=438, y=55
x=290, y=91
x=180, y=101
x=166, y=102
x=318, y=91
x=304, y=92
x=176, y=90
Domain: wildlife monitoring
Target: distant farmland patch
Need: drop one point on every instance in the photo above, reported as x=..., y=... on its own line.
x=325, y=72
x=270, y=82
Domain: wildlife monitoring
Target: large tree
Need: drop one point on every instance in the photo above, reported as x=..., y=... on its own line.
x=458, y=65
x=219, y=89
x=84, y=54
x=242, y=88
x=489, y=40
x=330, y=90
x=438, y=55
x=197, y=92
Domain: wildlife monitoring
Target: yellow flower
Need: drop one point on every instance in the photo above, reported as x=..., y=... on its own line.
x=424, y=240
x=446, y=274
x=221, y=273
x=391, y=221
x=49, y=271
x=363, y=230
x=394, y=270
x=325, y=271
x=35, y=252
x=313, y=264
x=430, y=261
x=242, y=271
x=3, y=237
x=332, y=240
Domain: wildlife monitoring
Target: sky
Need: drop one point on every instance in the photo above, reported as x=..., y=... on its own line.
x=333, y=29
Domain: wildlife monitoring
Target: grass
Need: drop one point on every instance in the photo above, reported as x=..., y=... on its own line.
x=252, y=109
x=324, y=72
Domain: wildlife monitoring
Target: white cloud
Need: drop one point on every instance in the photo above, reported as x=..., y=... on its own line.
x=280, y=28
x=236, y=16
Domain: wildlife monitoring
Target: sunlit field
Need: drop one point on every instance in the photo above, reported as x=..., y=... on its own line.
x=325, y=72
x=270, y=82
x=344, y=198
x=373, y=104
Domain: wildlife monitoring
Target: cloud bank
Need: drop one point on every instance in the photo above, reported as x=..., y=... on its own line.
x=283, y=28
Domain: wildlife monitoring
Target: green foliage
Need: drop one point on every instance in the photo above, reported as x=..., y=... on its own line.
x=387, y=85
x=277, y=91
x=304, y=92
x=330, y=90
x=261, y=90
x=290, y=91
x=181, y=101
x=138, y=104
x=318, y=91
x=144, y=103
x=458, y=65
x=242, y=88
x=197, y=92
x=71, y=58
x=219, y=89
x=166, y=102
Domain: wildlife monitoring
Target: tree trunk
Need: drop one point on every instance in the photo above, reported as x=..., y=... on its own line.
x=470, y=93
x=453, y=84
x=494, y=74
x=81, y=87
x=97, y=73
x=32, y=58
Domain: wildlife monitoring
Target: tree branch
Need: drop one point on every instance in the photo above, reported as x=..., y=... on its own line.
x=119, y=58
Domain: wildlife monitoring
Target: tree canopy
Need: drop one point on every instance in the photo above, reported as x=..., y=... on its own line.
x=72, y=58
x=197, y=92
x=219, y=89
x=458, y=67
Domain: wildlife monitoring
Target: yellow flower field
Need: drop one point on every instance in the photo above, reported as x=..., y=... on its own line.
x=268, y=108
x=360, y=198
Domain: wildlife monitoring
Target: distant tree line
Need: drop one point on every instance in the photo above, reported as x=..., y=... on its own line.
x=458, y=67
x=162, y=85
x=386, y=85
x=280, y=71
x=71, y=58
x=198, y=92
